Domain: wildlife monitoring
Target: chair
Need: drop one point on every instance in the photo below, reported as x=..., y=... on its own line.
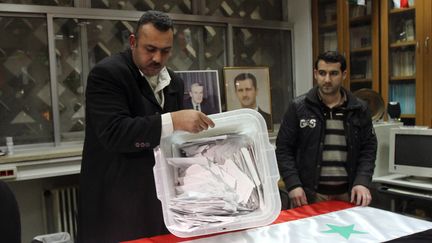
x=10, y=224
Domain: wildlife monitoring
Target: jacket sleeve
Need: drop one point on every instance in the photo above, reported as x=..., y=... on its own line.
x=367, y=154
x=109, y=113
x=286, y=149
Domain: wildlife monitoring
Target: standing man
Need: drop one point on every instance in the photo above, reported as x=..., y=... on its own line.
x=132, y=100
x=245, y=85
x=326, y=146
x=197, y=101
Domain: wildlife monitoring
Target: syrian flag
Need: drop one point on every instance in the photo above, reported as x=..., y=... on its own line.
x=324, y=222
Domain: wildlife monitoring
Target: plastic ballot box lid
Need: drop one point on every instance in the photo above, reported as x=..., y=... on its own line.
x=263, y=173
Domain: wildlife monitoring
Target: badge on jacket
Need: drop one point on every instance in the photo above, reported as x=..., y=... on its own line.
x=307, y=123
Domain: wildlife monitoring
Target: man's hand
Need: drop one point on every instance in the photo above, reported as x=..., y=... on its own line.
x=297, y=197
x=191, y=121
x=360, y=195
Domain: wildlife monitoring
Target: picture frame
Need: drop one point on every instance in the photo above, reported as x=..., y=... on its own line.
x=260, y=99
x=206, y=90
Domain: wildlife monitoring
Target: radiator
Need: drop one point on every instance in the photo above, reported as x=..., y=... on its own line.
x=61, y=210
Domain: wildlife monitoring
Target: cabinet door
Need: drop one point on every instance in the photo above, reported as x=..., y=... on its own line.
x=426, y=42
x=362, y=44
x=402, y=58
x=327, y=26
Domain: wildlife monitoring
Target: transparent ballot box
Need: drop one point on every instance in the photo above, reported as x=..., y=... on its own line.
x=219, y=180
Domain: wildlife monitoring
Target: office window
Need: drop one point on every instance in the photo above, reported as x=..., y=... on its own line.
x=42, y=83
x=169, y=6
x=102, y=39
x=198, y=47
x=25, y=98
x=248, y=9
x=64, y=3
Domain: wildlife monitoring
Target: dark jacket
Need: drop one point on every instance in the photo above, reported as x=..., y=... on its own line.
x=206, y=107
x=301, y=137
x=267, y=118
x=118, y=199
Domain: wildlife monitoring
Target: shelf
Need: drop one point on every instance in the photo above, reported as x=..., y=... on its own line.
x=361, y=80
x=326, y=2
x=403, y=44
x=366, y=19
x=328, y=25
x=401, y=10
x=362, y=49
x=402, y=78
x=411, y=116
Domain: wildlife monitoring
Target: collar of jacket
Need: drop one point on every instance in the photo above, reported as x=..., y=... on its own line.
x=352, y=101
x=144, y=85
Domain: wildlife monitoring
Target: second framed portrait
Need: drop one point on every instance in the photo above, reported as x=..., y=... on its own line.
x=201, y=91
x=249, y=87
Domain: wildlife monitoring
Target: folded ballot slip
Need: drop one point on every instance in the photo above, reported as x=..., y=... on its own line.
x=219, y=180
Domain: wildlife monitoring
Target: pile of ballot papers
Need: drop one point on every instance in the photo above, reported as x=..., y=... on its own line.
x=219, y=180
x=216, y=180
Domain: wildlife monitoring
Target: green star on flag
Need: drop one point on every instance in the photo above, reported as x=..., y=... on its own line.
x=344, y=231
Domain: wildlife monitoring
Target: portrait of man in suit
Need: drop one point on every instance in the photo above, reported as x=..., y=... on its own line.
x=246, y=90
x=197, y=101
x=201, y=91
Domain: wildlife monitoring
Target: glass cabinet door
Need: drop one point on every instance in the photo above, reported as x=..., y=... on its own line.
x=327, y=26
x=362, y=46
x=400, y=51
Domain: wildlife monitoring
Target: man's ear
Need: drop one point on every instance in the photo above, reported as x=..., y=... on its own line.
x=344, y=74
x=132, y=41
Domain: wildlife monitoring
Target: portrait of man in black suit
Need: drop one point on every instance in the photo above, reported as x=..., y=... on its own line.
x=197, y=101
x=201, y=91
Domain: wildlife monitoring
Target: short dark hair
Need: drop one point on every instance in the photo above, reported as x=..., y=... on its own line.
x=160, y=20
x=332, y=57
x=244, y=76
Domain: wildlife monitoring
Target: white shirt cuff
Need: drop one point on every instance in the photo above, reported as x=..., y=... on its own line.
x=167, y=125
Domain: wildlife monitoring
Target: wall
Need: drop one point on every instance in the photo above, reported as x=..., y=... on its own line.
x=300, y=14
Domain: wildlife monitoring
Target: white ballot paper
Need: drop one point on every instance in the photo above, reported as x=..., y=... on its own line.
x=216, y=180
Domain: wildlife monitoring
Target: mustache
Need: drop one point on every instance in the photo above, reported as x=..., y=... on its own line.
x=155, y=64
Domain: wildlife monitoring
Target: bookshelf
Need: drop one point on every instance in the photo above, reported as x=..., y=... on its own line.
x=352, y=30
x=405, y=59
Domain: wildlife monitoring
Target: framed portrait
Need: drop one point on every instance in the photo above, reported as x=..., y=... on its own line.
x=249, y=87
x=201, y=91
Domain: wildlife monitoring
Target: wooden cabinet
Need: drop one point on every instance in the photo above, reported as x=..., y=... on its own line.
x=352, y=30
x=388, y=49
x=406, y=58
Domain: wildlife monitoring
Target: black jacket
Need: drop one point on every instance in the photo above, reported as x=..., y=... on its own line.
x=267, y=118
x=118, y=199
x=205, y=105
x=301, y=137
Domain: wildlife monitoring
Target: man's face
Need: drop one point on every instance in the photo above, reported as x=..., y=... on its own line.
x=196, y=94
x=151, y=48
x=246, y=93
x=329, y=77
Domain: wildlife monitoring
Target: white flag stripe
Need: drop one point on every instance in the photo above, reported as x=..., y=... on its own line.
x=369, y=225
